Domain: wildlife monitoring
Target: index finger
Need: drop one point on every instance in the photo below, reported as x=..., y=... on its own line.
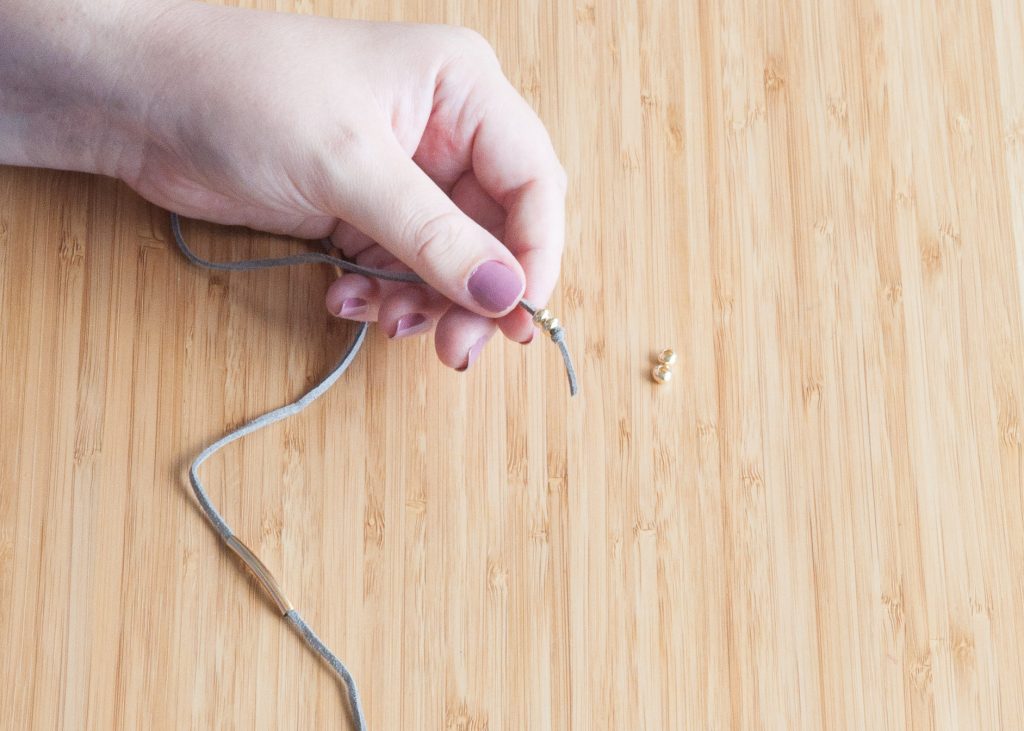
x=516, y=164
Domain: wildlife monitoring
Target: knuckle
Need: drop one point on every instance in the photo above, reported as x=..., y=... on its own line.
x=471, y=38
x=436, y=241
x=474, y=43
x=326, y=159
x=561, y=178
x=343, y=142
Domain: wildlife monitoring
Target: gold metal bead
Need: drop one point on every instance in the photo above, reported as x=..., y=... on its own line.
x=542, y=317
x=668, y=357
x=552, y=324
x=661, y=373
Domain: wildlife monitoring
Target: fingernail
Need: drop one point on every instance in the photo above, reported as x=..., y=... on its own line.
x=410, y=325
x=474, y=352
x=494, y=286
x=352, y=307
x=528, y=339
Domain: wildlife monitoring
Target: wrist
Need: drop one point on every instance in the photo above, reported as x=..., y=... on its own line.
x=73, y=86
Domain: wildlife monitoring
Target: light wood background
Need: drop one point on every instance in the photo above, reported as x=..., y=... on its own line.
x=819, y=524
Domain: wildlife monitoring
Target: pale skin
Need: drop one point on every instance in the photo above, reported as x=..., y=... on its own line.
x=405, y=144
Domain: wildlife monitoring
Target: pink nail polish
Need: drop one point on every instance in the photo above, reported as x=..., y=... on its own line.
x=410, y=324
x=494, y=286
x=353, y=307
x=474, y=353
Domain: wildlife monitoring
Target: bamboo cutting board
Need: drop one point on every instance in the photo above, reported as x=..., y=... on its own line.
x=818, y=524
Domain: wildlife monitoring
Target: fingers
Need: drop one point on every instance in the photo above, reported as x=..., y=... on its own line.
x=404, y=310
x=353, y=297
x=411, y=311
x=394, y=203
x=470, y=196
x=461, y=336
x=516, y=165
x=349, y=240
x=473, y=200
x=536, y=222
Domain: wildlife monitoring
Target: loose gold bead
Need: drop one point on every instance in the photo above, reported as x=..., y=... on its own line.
x=542, y=317
x=552, y=324
x=668, y=357
x=661, y=373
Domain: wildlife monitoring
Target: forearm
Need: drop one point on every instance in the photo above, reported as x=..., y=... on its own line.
x=70, y=80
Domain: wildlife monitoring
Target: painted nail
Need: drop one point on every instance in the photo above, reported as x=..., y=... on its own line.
x=410, y=325
x=352, y=307
x=529, y=338
x=474, y=352
x=494, y=286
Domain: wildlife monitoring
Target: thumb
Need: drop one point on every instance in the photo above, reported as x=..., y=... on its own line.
x=395, y=203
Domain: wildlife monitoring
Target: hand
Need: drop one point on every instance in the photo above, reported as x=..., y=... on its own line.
x=404, y=143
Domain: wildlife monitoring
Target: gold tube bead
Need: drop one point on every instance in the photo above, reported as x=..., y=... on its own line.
x=262, y=574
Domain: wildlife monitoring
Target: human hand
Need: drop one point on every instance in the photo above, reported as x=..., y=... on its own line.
x=404, y=143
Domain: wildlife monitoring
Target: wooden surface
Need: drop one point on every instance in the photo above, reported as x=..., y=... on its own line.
x=819, y=524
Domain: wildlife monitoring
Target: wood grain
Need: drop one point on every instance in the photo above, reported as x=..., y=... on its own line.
x=819, y=524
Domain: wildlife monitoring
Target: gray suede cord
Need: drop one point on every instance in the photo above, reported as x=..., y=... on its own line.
x=222, y=528
x=312, y=257
x=340, y=670
x=260, y=572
